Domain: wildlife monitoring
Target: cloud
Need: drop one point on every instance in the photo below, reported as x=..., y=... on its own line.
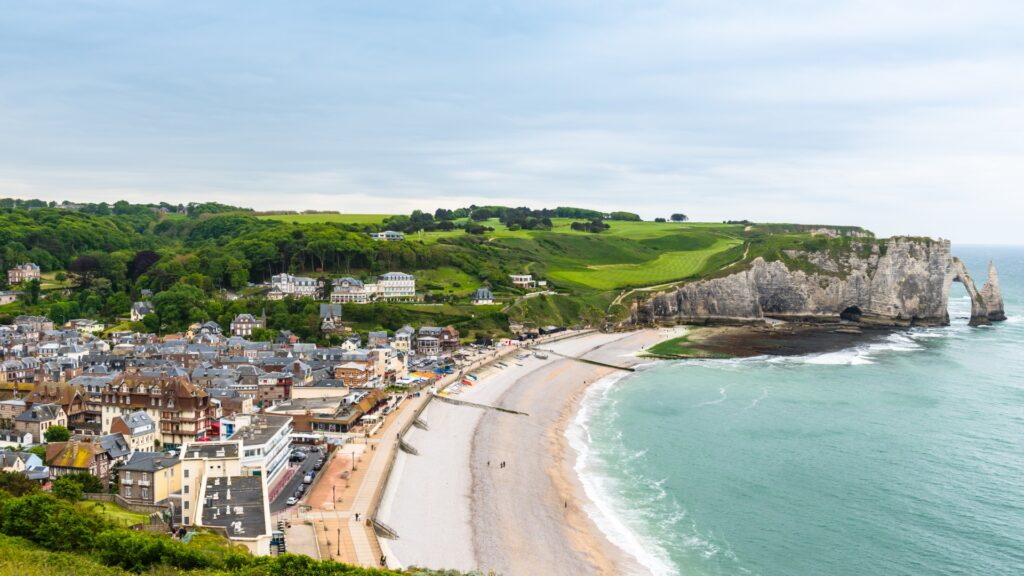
x=900, y=116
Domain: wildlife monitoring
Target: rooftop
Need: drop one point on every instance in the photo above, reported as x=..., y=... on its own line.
x=261, y=429
x=236, y=503
x=197, y=450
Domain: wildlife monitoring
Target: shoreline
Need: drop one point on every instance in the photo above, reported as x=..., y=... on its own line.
x=534, y=513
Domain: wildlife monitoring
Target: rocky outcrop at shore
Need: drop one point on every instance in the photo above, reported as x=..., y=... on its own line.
x=902, y=282
x=993, y=297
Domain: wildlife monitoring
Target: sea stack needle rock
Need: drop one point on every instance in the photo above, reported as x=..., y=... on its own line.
x=993, y=297
x=894, y=282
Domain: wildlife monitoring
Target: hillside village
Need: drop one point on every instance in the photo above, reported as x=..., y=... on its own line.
x=170, y=424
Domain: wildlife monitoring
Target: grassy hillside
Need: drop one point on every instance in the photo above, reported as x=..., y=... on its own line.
x=326, y=218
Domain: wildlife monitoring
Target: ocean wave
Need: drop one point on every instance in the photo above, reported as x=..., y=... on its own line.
x=603, y=508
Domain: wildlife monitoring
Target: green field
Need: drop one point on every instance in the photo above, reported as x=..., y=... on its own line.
x=318, y=218
x=114, y=513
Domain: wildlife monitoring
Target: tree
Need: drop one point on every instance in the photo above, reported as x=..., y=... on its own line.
x=57, y=434
x=659, y=219
x=17, y=483
x=141, y=263
x=38, y=451
x=32, y=290
x=83, y=271
x=679, y=217
x=67, y=488
x=179, y=306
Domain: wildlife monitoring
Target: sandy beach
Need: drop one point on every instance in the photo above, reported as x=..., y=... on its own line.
x=455, y=506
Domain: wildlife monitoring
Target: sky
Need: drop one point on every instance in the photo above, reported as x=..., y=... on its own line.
x=906, y=117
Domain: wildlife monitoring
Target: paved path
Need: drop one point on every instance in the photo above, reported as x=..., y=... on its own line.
x=334, y=501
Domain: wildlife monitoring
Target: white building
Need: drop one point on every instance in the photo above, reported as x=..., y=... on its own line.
x=387, y=235
x=265, y=443
x=523, y=280
x=352, y=291
x=297, y=286
x=483, y=296
x=244, y=324
x=396, y=286
x=23, y=273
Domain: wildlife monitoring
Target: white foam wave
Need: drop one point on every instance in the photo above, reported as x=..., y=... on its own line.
x=721, y=398
x=756, y=401
x=607, y=513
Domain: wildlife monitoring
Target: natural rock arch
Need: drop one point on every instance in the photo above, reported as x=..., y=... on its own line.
x=986, y=305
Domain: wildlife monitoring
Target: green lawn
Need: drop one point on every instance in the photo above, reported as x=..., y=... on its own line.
x=317, y=218
x=115, y=513
x=666, y=267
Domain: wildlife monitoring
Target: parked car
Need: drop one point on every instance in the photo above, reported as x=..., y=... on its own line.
x=297, y=456
x=319, y=464
x=308, y=479
x=292, y=501
x=302, y=490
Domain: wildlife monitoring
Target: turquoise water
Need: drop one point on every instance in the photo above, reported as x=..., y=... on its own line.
x=898, y=457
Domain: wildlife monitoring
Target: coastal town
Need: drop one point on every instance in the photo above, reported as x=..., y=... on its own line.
x=211, y=430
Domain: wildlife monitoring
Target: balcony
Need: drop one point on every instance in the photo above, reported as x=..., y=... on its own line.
x=144, y=483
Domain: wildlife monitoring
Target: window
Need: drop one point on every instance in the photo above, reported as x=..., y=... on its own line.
x=128, y=491
x=186, y=508
x=186, y=473
x=128, y=475
x=145, y=493
x=185, y=489
x=186, y=517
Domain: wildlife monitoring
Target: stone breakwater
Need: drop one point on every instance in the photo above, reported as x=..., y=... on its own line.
x=901, y=283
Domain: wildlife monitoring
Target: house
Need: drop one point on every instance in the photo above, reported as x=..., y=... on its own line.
x=182, y=410
x=353, y=374
x=377, y=339
x=330, y=318
x=138, y=428
x=37, y=419
x=9, y=410
x=387, y=236
x=296, y=286
x=428, y=345
x=244, y=324
x=523, y=280
x=350, y=290
x=140, y=310
x=274, y=387
x=94, y=456
x=22, y=273
x=482, y=296
x=396, y=286
x=403, y=338
x=26, y=463
x=72, y=398
x=447, y=338
x=8, y=296
x=87, y=325
x=149, y=477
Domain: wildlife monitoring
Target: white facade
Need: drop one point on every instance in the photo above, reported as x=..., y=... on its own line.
x=352, y=291
x=396, y=286
x=523, y=280
x=297, y=286
x=266, y=443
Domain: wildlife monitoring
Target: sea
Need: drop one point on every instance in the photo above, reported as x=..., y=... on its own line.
x=899, y=456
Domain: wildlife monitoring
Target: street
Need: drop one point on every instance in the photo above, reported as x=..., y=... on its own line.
x=304, y=467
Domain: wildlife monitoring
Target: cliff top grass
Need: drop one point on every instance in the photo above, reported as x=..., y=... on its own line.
x=327, y=218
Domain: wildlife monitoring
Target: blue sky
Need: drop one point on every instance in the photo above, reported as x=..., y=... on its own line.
x=906, y=117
